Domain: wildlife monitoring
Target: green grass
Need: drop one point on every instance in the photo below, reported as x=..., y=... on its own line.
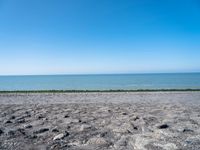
x=83, y=91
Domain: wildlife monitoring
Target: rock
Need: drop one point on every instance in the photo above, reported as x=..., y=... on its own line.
x=42, y=130
x=135, y=127
x=7, y=122
x=124, y=113
x=55, y=130
x=22, y=131
x=103, y=134
x=16, y=133
x=70, y=120
x=40, y=116
x=11, y=133
x=66, y=116
x=97, y=141
x=3, y=114
x=136, y=118
x=1, y=132
x=20, y=120
x=163, y=126
x=85, y=127
x=32, y=136
x=187, y=130
x=60, y=136
x=28, y=126
x=12, y=117
x=66, y=133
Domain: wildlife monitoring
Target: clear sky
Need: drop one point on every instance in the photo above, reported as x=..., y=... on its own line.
x=99, y=36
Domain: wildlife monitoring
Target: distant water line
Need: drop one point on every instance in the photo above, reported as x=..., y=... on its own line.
x=101, y=82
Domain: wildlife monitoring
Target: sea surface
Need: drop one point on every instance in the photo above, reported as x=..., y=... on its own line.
x=101, y=82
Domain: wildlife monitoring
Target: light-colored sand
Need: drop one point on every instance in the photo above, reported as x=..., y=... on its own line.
x=74, y=121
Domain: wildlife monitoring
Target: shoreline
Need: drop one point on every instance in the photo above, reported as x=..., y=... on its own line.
x=99, y=91
x=100, y=120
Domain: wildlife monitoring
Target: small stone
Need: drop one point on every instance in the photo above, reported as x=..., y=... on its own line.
x=187, y=130
x=22, y=131
x=124, y=113
x=85, y=127
x=11, y=133
x=103, y=134
x=1, y=132
x=21, y=120
x=163, y=126
x=40, y=116
x=8, y=121
x=70, y=120
x=41, y=130
x=3, y=114
x=32, y=136
x=136, y=118
x=28, y=126
x=66, y=133
x=66, y=116
x=12, y=117
x=55, y=130
x=59, y=137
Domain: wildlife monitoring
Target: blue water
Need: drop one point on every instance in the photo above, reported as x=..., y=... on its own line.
x=101, y=82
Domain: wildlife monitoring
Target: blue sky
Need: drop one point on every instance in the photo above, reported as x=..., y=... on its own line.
x=99, y=36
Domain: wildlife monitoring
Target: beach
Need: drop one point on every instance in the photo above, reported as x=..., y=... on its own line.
x=100, y=121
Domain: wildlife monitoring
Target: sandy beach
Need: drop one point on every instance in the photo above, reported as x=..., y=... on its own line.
x=100, y=121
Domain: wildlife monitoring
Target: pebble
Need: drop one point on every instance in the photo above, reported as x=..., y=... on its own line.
x=7, y=122
x=22, y=131
x=136, y=118
x=85, y=127
x=66, y=116
x=32, y=136
x=40, y=116
x=69, y=121
x=60, y=136
x=11, y=133
x=42, y=130
x=187, y=130
x=21, y=120
x=28, y=126
x=1, y=132
x=55, y=130
x=12, y=117
x=124, y=113
x=163, y=126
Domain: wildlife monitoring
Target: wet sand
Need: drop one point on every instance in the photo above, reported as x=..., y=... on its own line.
x=100, y=121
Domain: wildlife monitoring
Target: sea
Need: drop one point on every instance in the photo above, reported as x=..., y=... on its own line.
x=101, y=82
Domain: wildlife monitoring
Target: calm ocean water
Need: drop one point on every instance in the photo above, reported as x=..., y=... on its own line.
x=101, y=82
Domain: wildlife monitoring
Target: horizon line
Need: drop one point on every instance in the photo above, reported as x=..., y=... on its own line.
x=74, y=74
